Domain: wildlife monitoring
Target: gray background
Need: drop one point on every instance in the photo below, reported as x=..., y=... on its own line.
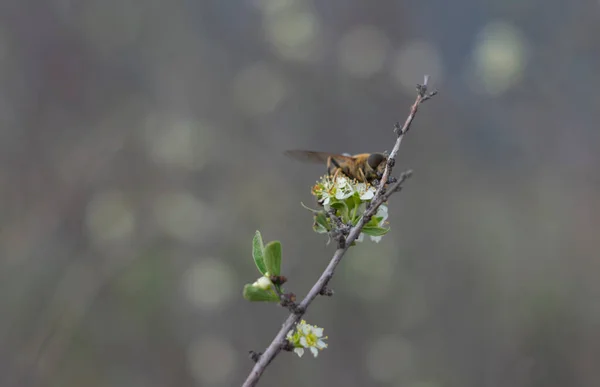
x=141, y=145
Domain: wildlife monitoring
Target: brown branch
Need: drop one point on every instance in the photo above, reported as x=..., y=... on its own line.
x=381, y=195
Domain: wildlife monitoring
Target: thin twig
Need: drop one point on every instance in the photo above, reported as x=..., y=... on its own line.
x=381, y=195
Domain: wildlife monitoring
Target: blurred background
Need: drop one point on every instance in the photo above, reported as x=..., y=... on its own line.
x=141, y=147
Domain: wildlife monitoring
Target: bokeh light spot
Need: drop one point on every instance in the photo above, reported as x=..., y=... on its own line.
x=181, y=216
x=293, y=34
x=178, y=142
x=258, y=89
x=363, y=51
x=498, y=60
x=110, y=217
x=209, y=283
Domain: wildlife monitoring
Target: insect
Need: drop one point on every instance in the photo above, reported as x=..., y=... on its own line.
x=364, y=167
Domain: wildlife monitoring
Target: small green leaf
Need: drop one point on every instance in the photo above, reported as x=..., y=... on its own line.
x=321, y=223
x=341, y=210
x=374, y=222
x=258, y=253
x=319, y=229
x=375, y=231
x=252, y=293
x=354, y=201
x=273, y=257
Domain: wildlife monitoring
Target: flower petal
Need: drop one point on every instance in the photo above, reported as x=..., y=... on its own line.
x=376, y=239
x=382, y=212
x=314, y=351
x=263, y=283
x=303, y=342
x=299, y=351
x=368, y=195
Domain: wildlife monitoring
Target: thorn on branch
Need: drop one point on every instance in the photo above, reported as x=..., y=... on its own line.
x=397, y=186
x=254, y=356
x=341, y=230
x=428, y=96
x=288, y=300
x=339, y=234
x=326, y=291
x=341, y=239
x=298, y=310
x=422, y=90
x=406, y=174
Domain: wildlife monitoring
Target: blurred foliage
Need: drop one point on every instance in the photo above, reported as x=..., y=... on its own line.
x=141, y=144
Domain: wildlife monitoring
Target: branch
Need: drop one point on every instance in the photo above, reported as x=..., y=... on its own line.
x=381, y=195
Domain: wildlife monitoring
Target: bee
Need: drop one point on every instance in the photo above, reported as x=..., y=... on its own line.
x=364, y=167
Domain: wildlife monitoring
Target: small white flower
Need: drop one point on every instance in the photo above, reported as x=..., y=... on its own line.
x=307, y=337
x=343, y=188
x=324, y=190
x=325, y=198
x=365, y=192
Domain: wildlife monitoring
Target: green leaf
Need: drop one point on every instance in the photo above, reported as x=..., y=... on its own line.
x=319, y=229
x=374, y=222
x=321, y=223
x=252, y=293
x=375, y=231
x=341, y=210
x=258, y=252
x=273, y=257
x=354, y=201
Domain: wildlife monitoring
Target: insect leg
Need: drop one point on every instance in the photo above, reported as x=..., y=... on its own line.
x=361, y=176
x=337, y=171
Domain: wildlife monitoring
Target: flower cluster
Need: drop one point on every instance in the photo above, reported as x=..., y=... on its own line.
x=306, y=336
x=348, y=199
